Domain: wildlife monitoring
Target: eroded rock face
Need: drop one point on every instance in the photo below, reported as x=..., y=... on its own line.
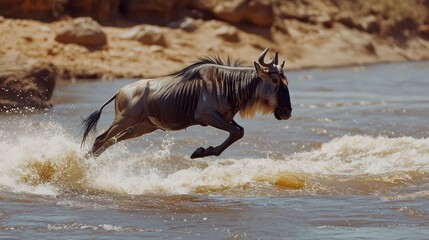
x=229, y=34
x=83, y=31
x=146, y=34
x=424, y=31
x=257, y=12
x=152, y=10
x=25, y=83
x=101, y=10
x=53, y=9
x=187, y=24
x=39, y=9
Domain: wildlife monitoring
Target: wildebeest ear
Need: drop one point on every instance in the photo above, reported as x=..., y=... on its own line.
x=259, y=70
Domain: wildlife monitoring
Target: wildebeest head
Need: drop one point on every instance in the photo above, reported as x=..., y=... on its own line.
x=273, y=89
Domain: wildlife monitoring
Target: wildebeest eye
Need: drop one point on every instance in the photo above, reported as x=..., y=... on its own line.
x=274, y=80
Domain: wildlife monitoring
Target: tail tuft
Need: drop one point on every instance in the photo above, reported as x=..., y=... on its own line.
x=90, y=123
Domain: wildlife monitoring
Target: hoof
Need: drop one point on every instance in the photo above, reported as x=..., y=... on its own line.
x=204, y=152
x=198, y=153
x=209, y=151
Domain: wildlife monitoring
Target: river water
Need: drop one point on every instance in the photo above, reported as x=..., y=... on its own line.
x=352, y=162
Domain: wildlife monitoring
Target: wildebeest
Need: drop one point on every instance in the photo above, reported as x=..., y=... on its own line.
x=209, y=93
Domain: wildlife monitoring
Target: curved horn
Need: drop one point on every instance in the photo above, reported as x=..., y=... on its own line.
x=276, y=58
x=283, y=64
x=262, y=56
x=261, y=59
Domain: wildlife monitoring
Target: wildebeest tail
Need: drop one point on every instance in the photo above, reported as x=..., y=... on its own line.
x=90, y=122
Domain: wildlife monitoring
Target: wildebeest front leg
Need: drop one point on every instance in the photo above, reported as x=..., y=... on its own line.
x=216, y=120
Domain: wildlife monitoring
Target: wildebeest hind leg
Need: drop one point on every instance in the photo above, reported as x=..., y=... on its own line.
x=215, y=119
x=136, y=131
x=120, y=123
x=113, y=135
x=102, y=142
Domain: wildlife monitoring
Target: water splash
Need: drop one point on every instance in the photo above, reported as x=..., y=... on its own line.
x=49, y=161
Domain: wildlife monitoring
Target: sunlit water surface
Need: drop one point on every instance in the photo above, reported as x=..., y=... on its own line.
x=352, y=162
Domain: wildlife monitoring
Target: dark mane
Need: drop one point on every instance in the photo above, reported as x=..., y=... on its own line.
x=192, y=71
x=226, y=79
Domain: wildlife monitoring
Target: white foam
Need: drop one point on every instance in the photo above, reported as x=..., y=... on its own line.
x=101, y=227
x=41, y=143
x=348, y=155
x=120, y=171
x=356, y=155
